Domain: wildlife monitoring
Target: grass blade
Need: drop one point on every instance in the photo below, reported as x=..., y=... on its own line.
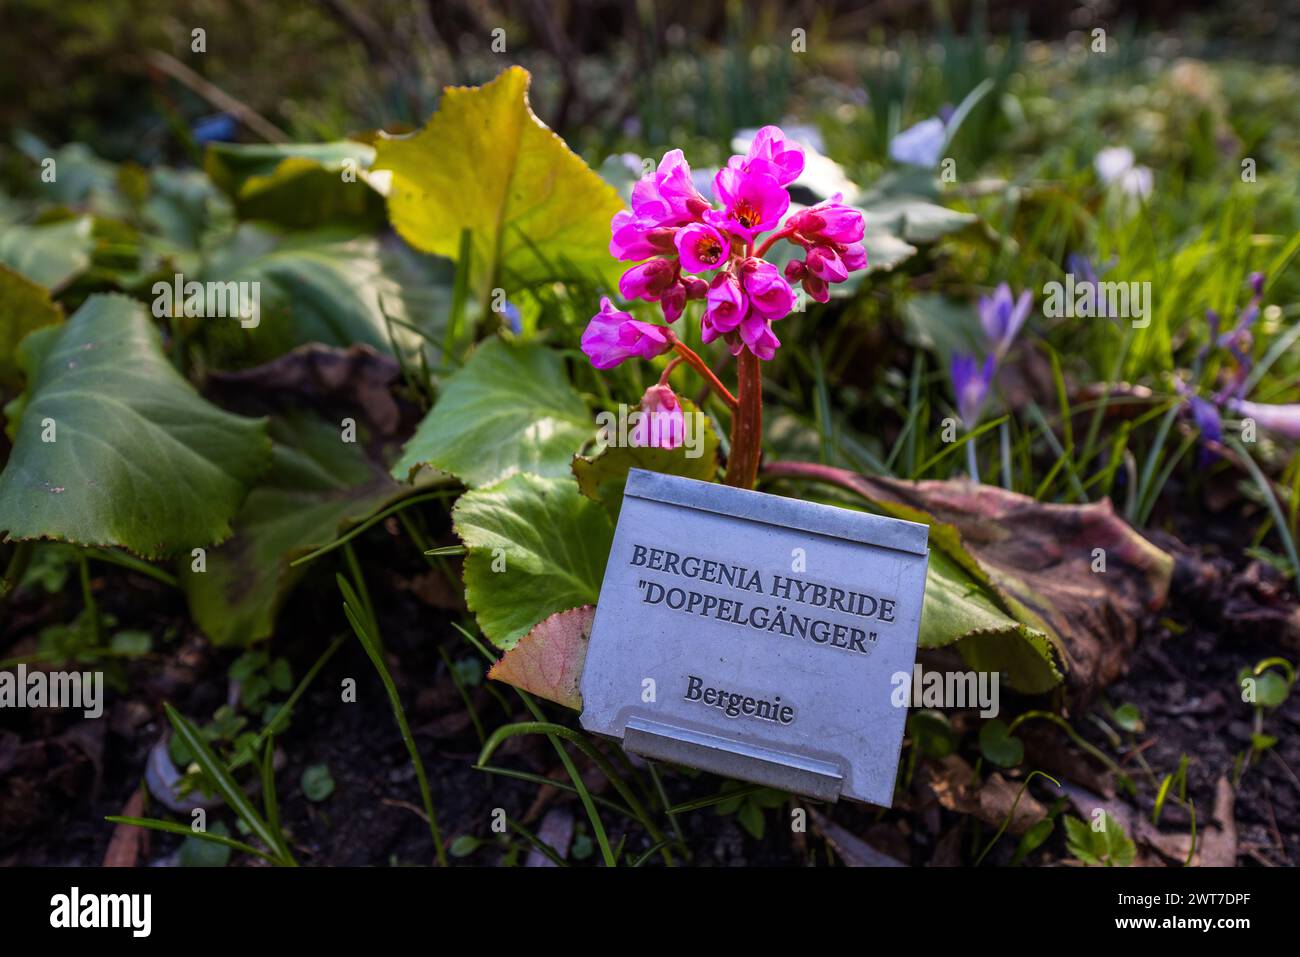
x=376, y=659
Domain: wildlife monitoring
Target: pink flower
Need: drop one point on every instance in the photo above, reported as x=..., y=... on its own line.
x=701, y=247
x=632, y=240
x=756, y=332
x=770, y=149
x=612, y=336
x=673, y=301
x=661, y=423
x=830, y=222
x=796, y=270
x=668, y=196
x=727, y=305
x=753, y=201
x=824, y=263
x=648, y=281
x=769, y=294
x=854, y=257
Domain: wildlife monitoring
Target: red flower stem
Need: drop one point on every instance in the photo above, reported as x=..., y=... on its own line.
x=673, y=363
x=699, y=365
x=746, y=423
x=771, y=241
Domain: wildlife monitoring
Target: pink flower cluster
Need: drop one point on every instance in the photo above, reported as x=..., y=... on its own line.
x=678, y=238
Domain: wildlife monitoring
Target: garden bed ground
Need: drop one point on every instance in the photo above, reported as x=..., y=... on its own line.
x=60, y=776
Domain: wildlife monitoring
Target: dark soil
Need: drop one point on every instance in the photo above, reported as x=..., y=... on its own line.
x=60, y=775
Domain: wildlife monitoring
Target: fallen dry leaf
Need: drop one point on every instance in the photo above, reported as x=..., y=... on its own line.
x=953, y=783
x=556, y=832
x=548, y=660
x=320, y=374
x=1039, y=558
x=852, y=850
x=1216, y=839
x=128, y=841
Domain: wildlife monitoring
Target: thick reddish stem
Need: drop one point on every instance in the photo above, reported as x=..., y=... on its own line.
x=747, y=423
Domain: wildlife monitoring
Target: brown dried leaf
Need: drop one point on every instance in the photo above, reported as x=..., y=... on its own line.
x=321, y=375
x=128, y=841
x=955, y=786
x=1039, y=559
x=853, y=851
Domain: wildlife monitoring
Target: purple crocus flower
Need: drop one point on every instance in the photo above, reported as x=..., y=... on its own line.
x=612, y=336
x=1284, y=419
x=971, y=383
x=920, y=145
x=1001, y=316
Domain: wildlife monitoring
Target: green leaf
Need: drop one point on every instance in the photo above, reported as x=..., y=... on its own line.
x=204, y=852
x=509, y=409
x=958, y=608
x=317, y=485
x=139, y=459
x=324, y=287
x=485, y=163
x=298, y=185
x=184, y=830
x=998, y=746
x=1128, y=717
x=52, y=254
x=464, y=845
x=931, y=733
x=226, y=785
x=317, y=783
x=602, y=477
x=1271, y=689
x=1033, y=839
x=537, y=546
x=24, y=306
x=1110, y=846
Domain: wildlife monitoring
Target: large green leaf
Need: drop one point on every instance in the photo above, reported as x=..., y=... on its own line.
x=51, y=254
x=24, y=306
x=316, y=486
x=509, y=409
x=139, y=459
x=322, y=287
x=298, y=185
x=536, y=546
x=486, y=163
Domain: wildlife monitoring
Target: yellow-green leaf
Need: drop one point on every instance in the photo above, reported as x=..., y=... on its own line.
x=484, y=162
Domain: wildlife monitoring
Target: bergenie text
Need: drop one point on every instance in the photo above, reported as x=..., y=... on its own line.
x=779, y=619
